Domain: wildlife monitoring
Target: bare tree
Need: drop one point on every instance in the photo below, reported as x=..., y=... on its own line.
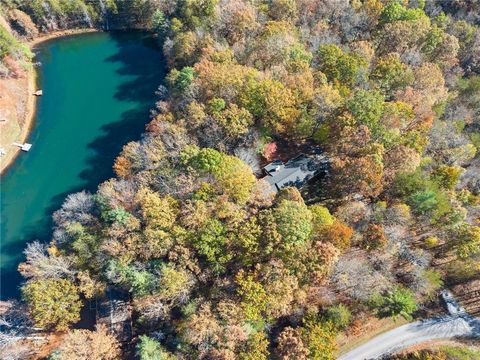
x=18, y=338
x=356, y=277
x=76, y=208
x=40, y=264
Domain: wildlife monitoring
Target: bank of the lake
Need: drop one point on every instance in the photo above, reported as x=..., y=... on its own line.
x=26, y=87
x=98, y=90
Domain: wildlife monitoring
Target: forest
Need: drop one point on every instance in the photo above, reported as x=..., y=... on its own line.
x=214, y=264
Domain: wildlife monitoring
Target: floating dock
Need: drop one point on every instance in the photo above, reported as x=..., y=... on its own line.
x=24, y=147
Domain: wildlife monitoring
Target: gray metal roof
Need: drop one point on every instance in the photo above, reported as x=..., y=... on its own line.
x=296, y=172
x=274, y=166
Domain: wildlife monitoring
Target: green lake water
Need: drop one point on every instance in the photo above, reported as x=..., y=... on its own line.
x=98, y=89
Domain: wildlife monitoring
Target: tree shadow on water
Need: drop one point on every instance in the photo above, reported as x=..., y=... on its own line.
x=142, y=63
x=41, y=231
x=13, y=241
x=141, y=59
x=108, y=146
x=13, y=251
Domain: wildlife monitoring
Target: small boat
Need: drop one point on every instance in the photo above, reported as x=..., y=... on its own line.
x=38, y=93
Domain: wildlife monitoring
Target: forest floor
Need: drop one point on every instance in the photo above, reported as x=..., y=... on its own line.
x=468, y=295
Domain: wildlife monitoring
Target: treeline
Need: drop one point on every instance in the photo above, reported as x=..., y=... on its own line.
x=219, y=269
x=26, y=19
x=51, y=15
x=15, y=57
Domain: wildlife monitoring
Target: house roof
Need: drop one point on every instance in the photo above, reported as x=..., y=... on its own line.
x=296, y=172
x=274, y=166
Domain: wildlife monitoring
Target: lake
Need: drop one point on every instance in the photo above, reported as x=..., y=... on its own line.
x=98, y=89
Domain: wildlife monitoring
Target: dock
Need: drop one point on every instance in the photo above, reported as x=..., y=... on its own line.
x=24, y=147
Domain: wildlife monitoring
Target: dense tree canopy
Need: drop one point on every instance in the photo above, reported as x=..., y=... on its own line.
x=216, y=264
x=53, y=303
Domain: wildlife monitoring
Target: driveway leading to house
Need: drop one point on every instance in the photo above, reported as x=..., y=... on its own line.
x=414, y=333
x=457, y=324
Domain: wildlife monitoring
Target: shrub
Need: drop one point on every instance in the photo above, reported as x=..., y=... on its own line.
x=447, y=176
x=150, y=349
x=431, y=241
x=339, y=315
x=321, y=217
x=396, y=302
x=338, y=234
x=375, y=237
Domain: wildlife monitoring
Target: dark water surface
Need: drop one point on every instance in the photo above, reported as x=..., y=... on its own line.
x=98, y=89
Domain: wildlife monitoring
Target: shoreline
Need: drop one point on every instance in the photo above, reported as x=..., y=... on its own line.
x=31, y=102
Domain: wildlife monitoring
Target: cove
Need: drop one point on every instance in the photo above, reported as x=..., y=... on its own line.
x=98, y=89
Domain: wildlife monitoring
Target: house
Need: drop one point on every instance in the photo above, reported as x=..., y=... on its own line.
x=115, y=311
x=296, y=172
